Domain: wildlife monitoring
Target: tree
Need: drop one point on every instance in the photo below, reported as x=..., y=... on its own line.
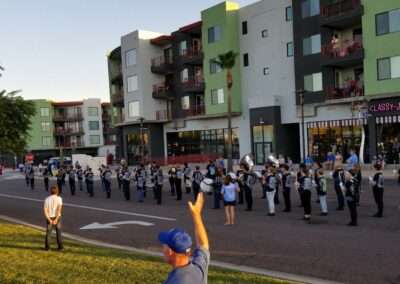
x=227, y=61
x=15, y=121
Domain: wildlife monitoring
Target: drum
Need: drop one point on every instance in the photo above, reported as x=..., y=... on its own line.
x=206, y=185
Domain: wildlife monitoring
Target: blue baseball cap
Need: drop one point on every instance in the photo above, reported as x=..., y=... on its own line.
x=177, y=239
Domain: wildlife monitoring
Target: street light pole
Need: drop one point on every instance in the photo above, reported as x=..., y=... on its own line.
x=141, y=138
x=301, y=97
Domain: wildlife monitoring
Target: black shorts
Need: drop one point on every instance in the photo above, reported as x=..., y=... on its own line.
x=230, y=203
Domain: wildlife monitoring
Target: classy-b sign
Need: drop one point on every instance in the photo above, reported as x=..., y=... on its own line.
x=387, y=106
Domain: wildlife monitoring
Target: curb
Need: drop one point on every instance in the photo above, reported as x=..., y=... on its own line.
x=218, y=264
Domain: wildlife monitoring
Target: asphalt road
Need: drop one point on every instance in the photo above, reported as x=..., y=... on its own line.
x=324, y=248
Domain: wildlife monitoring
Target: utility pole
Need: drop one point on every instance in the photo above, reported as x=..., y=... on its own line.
x=141, y=139
x=300, y=93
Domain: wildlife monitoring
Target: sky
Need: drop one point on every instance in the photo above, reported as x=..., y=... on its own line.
x=56, y=49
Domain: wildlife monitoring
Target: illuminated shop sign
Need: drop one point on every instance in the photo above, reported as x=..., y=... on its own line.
x=384, y=106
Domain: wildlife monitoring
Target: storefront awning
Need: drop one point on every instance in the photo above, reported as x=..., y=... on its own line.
x=387, y=119
x=336, y=123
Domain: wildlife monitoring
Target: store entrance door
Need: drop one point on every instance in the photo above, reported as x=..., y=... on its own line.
x=262, y=152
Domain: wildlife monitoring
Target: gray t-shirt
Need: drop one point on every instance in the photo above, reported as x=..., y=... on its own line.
x=195, y=272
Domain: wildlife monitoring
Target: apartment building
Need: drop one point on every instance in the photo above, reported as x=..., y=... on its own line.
x=75, y=127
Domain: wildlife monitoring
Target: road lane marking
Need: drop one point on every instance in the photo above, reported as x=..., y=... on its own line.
x=114, y=225
x=94, y=208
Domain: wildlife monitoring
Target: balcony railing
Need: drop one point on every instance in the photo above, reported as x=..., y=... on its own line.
x=194, y=50
x=106, y=130
x=194, y=81
x=68, y=131
x=343, y=91
x=159, y=61
x=339, y=8
x=70, y=144
x=342, y=49
x=118, y=98
x=105, y=116
x=67, y=117
x=110, y=142
x=162, y=87
x=120, y=119
x=196, y=110
x=163, y=114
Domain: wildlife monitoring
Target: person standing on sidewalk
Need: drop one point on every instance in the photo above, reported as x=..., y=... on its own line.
x=52, y=212
x=228, y=191
x=377, y=189
x=177, y=245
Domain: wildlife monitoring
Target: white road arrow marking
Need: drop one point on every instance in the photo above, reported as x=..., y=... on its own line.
x=114, y=225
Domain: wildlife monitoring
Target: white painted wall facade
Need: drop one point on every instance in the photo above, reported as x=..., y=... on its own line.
x=86, y=118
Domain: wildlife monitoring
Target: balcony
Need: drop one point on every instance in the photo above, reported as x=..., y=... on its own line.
x=162, y=65
x=118, y=98
x=342, y=14
x=105, y=117
x=196, y=111
x=345, y=53
x=194, y=84
x=116, y=76
x=193, y=55
x=68, y=117
x=163, y=114
x=68, y=144
x=110, y=142
x=106, y=130
x=59, y=132
x=163, y=90
x=344, y=91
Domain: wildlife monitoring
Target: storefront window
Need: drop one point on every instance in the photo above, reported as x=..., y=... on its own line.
x=134, y=144
x=263, y=141
x=387, y=137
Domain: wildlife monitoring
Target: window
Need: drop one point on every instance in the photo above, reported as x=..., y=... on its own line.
x=312, y=45
x=93, y=111
x=132, y=83
x=309, y=8
x=94, y=125
x=182, y=47
x=289, y=14
x=245, y=59
x=44, y=111
x=214, y=33
x=266, y=71
x=244, y=28
x=389, y=68
x=94, y=139
x=185, y=101
x=388, y=22
x=264, y=33
x=133, y=109
x=46, y=141
x=184, y=75
x=313, y=82
x=45, y=126
x=289, y=49
x=214, y=66
x=130, y=57
x=217, y=96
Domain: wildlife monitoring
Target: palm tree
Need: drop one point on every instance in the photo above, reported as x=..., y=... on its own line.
x=226, y=61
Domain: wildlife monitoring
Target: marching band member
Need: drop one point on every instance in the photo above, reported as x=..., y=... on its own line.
x=159, y=182
x=217, y=184
x=287, y=180
x=321, y=187
x=377, y=189
x=304, y=185
x=338, y=176
x=171, y=179
x=197, y=179
x=178, y=183
x=269, y=184
x=247, y=181
x=186, y=177
x=351, y=189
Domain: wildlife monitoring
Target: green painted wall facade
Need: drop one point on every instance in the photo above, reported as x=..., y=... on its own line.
x=377, y=47
x=225, y=15
x=36, y=133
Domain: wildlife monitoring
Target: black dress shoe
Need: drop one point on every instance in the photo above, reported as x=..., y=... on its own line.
x=271, y=214
x=377, y=215
x=306, y=218
x=352, y=224
x=286, y=210
x=248, y=209
x=339, y=209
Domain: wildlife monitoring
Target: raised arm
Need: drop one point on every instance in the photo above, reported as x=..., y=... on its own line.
x=200, y=231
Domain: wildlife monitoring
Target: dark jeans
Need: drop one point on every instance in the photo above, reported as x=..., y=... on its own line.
x=126, y=189
x=340, y=197
x=241, y=194
x=353, y=211
x=172, y=184
x=46, y=184
x=108, y=188
x=217, y=196
x=90, y=189
x=286, y=197
x=119, y=183
x=248, y=196
x=305, y=197
x=49, y=229
x=196, y=190
x=378, y=196
x=27, y=180
x=59, y=185
x=187, y=188
x=276, y=197
x=158, y=192
x=80, y=182
x=72, y=186
x=32, y=181
x=178, y=186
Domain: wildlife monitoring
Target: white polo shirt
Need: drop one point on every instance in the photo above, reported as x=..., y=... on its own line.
x=51, y=204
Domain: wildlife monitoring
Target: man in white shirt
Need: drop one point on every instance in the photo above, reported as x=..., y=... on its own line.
x=52, y=212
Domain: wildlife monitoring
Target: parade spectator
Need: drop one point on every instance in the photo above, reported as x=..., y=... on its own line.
x=309, y=161
x=228, y=191
x=281, y=160
x=335, y=45
x=221, y=165
x=352, y=160
x=177, y=246
x=330, y=161
x=211, y=170
x=338, y=159
x=52, y=213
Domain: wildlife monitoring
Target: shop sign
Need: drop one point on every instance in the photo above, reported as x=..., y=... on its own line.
x=384, y=106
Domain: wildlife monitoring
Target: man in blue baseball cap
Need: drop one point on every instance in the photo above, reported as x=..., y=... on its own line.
x=177, y=246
